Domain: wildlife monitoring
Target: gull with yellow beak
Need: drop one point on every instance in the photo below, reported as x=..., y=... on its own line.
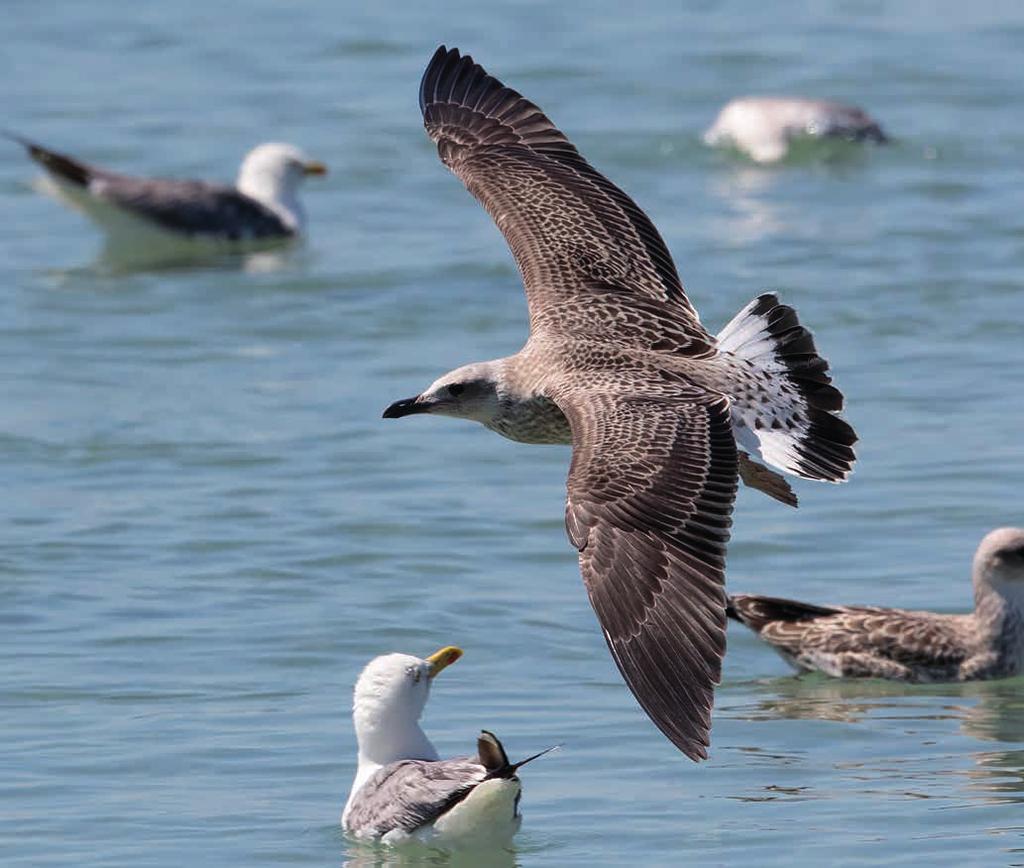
x=403, y=790
x=262, y=206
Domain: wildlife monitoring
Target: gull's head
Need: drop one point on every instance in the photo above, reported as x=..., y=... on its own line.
x=469, y=392
x=999, y=562
x=271, y=173
x=389, y=699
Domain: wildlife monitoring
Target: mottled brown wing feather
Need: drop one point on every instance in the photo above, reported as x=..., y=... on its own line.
x=567, y=225
x=650, y=495
x=909, y=638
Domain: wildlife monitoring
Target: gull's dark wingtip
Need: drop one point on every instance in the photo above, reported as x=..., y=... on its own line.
x=65, y=167
x=440, y=60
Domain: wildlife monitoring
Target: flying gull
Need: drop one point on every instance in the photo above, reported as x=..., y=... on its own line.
x=871, y=642
x=763, y=127
x=619, y=365
x=402, y=790
x=263, y=206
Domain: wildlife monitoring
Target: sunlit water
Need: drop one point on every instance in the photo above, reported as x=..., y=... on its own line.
x=207, y=529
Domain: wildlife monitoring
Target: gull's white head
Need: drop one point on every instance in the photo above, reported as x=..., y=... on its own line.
x=470, y=392
x=272, y=173
x=999, y=564
x=388, y=701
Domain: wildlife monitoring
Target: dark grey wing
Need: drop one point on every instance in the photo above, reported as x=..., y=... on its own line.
x=408, y=794
x=193, y=208
x=569, y=228
x=651, y=490
x=849, y=122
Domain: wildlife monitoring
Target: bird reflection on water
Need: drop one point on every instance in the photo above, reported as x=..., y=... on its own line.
x=408, y=855
x=928, y=716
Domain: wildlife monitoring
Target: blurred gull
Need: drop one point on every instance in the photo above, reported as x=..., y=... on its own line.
x=763, y=127
x=147, y=213
x=402, y=789
x=870, y=642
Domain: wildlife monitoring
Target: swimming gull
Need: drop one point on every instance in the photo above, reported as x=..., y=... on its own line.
x=872, y=642
x=262, y=206
x=764, y=127
x=402, y=789
x=619, y=365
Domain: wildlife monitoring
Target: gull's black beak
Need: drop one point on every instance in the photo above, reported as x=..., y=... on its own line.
x=406, y=407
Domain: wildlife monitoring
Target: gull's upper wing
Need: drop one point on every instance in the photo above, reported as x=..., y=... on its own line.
x=651, y=490
x=569, y=228
x=408, y=794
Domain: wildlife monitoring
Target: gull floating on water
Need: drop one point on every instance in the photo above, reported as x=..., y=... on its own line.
x=619, y=365
x=402, y=789
x=870, y=642
x=763, y=127
x=262, y=206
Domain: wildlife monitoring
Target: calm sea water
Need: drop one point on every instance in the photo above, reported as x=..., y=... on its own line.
x=206, y=529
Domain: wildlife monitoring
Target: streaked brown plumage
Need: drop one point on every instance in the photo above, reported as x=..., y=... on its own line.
x=872, y=642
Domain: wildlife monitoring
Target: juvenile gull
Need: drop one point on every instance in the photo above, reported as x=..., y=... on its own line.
x=764, y=126
x=402, y=790
x=870, y=642
x=619, y=365
x=262, y=206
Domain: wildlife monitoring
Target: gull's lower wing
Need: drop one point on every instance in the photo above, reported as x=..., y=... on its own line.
x=650, y=497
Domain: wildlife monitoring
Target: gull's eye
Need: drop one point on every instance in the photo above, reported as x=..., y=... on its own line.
x=416, y=676
x=456, y=389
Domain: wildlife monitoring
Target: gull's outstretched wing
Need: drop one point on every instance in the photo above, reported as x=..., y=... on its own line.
x=650, y=496
x=569, y=228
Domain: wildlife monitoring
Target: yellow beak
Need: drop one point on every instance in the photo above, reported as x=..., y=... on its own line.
x=442, y=659
x=314, y=167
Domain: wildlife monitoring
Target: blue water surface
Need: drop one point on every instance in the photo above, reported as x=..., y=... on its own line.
x=206, y=529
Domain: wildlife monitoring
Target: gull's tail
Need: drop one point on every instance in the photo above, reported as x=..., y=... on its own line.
x=757, y=612
x=60, y=165
x=784, y=405
x=492, y=756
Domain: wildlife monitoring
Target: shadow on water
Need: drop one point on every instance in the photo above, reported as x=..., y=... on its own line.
x=988, y=711
x=997, y=712
x=119, y=260
x=803, y=151
x=413, y=855
x=100, y=273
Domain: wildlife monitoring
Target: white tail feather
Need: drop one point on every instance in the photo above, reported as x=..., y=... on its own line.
x=783, y=401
